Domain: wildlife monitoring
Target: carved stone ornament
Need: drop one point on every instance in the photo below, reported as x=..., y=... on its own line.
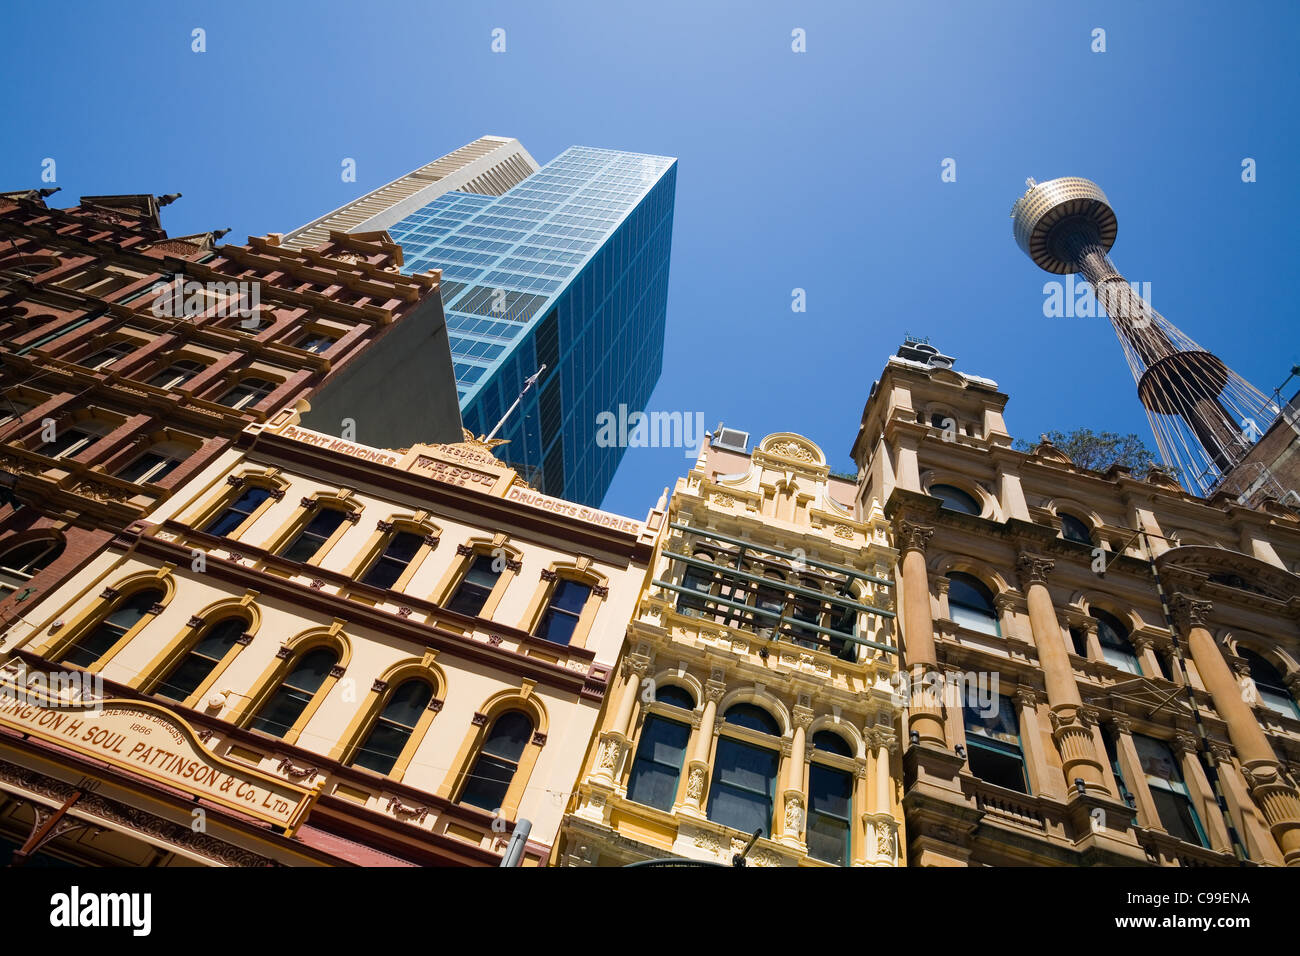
x=912, y=537
x=792, y=449
x=278, y=494
x=695, y=784
x=430, y=541
x=548, y=574
x=403, y=612
x=514, y=565
x=235, y=481
x=1033, y=569
x=307, y=503
x=290, y=769
x=793, y=816
x=609, y=754
x=539, y=739
x=436, y=704
x=464, y=550
x=600, y=591
x=384, y=526
x=338, y=670
x=108, y=594
x=479, y=720
x=195, y=621
x=379, y=686
x=283, y=653
x=154, y=609
x=1189, y=611
x=399, y=809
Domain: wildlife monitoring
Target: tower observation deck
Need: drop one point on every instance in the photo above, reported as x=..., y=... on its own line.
x=1204, y=416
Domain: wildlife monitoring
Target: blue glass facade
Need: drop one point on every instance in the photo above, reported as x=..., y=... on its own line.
x=567, y=269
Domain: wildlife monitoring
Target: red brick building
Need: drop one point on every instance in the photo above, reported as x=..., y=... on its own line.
x=130, y=359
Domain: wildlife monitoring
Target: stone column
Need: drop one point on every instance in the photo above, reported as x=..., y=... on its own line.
x=925, y=716
x=1070, y=730
x=881, y=826
x=613, y=746
x=1269, y=786
x=697, y=769
x=1044, y=777
x=794, y=801
x=1207, y=806
x=1146, y=654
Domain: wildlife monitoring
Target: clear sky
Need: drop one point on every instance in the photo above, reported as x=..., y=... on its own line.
x=817, y=170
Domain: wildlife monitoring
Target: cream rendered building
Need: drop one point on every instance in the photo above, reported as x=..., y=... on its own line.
x=416, y=637
x=756, y=690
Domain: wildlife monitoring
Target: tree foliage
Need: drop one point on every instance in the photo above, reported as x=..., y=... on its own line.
x=1097, y=451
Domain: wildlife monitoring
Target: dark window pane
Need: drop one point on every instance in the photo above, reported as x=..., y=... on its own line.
x=755, y=718
x=93, y=645
x=954, y=499
x=199, y=662
x=831, y=742
x=658, y=763
x=312, y=537
x=1072, y=529
x=676, y=696
x=295, y=693
x=744, y=778
x=390, y=565
x=509, y=735
x=830, y=808
x=475, y=587
x=235, y=515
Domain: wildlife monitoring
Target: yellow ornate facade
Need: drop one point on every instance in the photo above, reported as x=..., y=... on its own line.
x=756, y=691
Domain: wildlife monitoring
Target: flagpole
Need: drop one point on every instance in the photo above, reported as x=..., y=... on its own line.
x=528, y=383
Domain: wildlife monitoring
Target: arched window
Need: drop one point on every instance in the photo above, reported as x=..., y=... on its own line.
x=1115, y=646
x=283, y=708
x=752, y=717
x=98, y=640
x=210, y=650
x=560, y=619
x=744, y=776
x=310, y=540
x=394, y=726
x=1072, y=529
x=675, y=696
x=993, y=746
x=660, y=754
x=247, y=392
x=1270, y=685
x=388, y=567
x=954, y=499
x=476, y=585
x=156, y=462
x=178, y=373
x=22, y=562
x=970, y=604
x=497, y=761
x=313, y=340
x=230, y=520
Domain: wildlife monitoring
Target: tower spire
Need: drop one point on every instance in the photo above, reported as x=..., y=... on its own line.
x=1205, y=416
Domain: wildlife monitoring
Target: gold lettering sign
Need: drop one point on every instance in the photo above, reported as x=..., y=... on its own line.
x=569, y=510
x=455, y=474
x=379, y=456
x=152, y=741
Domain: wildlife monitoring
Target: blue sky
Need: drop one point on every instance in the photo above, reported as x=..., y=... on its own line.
x=816, y=170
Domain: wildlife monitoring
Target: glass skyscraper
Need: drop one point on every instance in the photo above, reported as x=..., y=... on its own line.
x=567, y=269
